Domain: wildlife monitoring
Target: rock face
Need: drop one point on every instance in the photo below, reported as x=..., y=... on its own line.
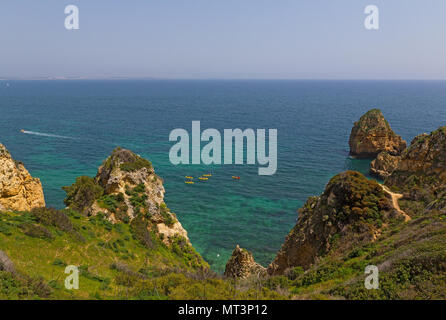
x=242, y=265
x=351, y=210
x=426, y=154
x=126, y=187
x=421, y=172
x=18, y=190
x=372, y=134
x=384, y=165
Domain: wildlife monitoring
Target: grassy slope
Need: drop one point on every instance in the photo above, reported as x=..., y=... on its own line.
x=94, y=247
x=411, y=257
x=113, y=264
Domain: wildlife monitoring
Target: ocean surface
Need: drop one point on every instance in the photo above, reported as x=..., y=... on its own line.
x=72, y=126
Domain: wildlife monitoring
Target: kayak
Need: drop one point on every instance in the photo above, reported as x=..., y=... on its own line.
x=189, y=182
x=236, y=178
x=207, y=175
x=189, y=177
x=203, y=178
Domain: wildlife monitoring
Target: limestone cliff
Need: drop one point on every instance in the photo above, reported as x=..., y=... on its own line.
x=18, y=190
x=372, y=134
x=351, y=210
x=421, y=172
x=126, y=187
x=384, y=165
x=241, y=265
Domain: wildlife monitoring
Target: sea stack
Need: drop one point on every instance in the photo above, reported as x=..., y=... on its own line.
x=372, y=134
x=241, y=265
x=19, y=191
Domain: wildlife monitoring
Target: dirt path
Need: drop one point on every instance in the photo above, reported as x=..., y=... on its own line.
x=395, y=198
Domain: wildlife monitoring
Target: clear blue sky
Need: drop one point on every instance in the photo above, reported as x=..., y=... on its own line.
x=224, y=39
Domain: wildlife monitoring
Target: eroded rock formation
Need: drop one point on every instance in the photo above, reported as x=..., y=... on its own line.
x=384, y=165
x=241, y=265
x=351, y=211
x=19, y=191
x=421, y=172
x=372, y=134
x=126, y=187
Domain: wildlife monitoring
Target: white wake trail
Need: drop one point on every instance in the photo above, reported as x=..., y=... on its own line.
x=46, y=134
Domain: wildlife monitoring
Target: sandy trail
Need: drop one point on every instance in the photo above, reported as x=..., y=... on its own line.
x=395, y=198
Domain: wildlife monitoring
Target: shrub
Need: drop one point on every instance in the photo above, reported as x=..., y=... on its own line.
x=82, y=193
x=136, y=164
x=140, y=232
x=53, y=217
x=36, y=231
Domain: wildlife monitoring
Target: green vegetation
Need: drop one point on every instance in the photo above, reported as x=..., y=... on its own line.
x=169, y=218
x=138, y=198
x=91, y=243
x=115, y=203
x=82, y=193
x=136, y=164
x=357, y=200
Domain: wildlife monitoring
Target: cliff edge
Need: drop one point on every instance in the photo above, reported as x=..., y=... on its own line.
x=351, y=210
x=19, y=191
x=126, y=189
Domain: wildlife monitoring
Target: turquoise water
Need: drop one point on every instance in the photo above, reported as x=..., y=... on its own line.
x=82, y=121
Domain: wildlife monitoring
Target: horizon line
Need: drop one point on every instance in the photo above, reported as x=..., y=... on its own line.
x=211, y=78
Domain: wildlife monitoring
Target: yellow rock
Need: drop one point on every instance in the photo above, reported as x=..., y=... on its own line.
x=19, y=191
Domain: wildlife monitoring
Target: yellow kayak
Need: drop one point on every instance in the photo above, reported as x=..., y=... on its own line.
x=189, y=177
x=189, y=182
x=207, y=175
x=203, y=178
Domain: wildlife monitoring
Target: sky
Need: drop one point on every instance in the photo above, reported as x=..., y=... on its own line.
x=223, y=39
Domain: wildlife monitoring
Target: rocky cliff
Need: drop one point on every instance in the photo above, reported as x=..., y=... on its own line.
x=384, y=164
x=18, y=190
x=372, y=134
x=421, y=172
x=126, y=189
x=241, y=265
x=352, y=210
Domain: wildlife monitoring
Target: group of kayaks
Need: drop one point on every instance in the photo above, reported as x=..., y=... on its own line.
x=204, y=177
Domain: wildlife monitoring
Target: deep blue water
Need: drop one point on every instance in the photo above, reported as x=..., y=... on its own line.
x=313, y=119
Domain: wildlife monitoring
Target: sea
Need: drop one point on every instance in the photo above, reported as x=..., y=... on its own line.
x=71, y=126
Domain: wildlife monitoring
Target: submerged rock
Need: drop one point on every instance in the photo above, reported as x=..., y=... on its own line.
x=372, y=134
x=384, y=165
x=241, y=265
x=351, y=211
x=19, y=191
